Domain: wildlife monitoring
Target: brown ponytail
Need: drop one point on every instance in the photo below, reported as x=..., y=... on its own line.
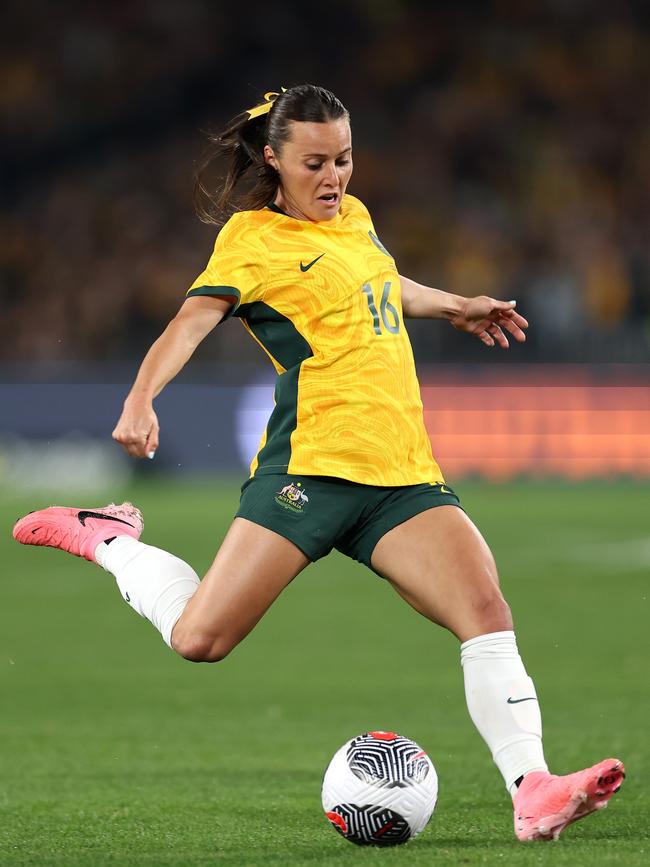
x=241, y=144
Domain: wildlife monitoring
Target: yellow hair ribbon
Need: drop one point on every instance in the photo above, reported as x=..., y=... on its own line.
x=264, y=107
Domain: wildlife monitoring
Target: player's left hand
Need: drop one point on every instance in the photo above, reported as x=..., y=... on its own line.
x=488, y=318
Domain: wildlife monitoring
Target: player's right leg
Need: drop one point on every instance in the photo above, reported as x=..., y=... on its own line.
x=251, y=569
x=202, y=621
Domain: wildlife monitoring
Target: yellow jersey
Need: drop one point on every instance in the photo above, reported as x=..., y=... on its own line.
x=323, y=300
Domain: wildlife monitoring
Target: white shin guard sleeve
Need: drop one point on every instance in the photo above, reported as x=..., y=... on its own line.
x=156, y=584
x=503, y=705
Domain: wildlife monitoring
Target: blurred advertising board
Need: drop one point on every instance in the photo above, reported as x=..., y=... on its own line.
x=570, y=422
x=494, y=421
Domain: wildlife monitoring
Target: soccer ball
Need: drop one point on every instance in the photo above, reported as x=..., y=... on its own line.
x=380, y=789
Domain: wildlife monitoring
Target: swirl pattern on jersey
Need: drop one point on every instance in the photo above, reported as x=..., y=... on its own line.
x=350, y=406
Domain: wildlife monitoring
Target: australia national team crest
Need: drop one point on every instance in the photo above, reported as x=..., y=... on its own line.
x=292, y=497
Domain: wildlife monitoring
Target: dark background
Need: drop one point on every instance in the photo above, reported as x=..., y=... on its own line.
x=502, y=148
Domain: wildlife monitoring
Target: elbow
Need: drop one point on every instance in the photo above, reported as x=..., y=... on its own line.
x=184, y=334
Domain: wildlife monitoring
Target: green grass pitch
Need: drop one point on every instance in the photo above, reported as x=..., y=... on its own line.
x=113, y=751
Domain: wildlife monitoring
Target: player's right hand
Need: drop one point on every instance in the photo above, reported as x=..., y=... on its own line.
x=137, y=429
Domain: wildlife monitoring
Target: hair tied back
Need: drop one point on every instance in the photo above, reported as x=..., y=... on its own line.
x=241, y=147
x=264, y=107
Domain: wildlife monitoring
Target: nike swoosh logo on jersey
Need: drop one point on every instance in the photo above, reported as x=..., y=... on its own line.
x=83, y=515
x=518, y=700
x=307, y=267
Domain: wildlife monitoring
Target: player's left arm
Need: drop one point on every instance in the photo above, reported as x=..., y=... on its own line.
x=485, y=317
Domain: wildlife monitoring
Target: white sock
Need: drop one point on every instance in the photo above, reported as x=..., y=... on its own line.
x=503, y=705
x=156, y=584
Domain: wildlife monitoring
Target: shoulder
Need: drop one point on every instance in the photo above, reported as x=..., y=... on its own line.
x=244, y=228
x=352, y=205
x=354, y=208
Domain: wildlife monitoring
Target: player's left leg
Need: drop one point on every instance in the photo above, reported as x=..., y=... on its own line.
x=439, y=563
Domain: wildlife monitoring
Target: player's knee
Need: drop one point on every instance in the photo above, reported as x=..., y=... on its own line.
x=493, y=610
x=200, y=648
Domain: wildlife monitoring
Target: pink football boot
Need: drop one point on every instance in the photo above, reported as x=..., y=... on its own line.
x=78, y=531
x=545, y=804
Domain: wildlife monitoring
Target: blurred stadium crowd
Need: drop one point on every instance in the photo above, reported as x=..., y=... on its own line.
x=503, y=147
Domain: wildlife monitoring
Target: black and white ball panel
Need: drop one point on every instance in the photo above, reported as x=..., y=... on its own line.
x=387, y=760
x=369, y=825
x=379, y=789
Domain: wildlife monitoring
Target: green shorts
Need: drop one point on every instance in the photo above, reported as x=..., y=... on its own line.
x=318, y=513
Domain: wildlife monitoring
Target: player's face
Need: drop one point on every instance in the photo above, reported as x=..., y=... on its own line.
x=315, y=165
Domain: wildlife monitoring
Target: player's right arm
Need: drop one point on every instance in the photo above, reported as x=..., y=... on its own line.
x=137, y=429
x=236, y=273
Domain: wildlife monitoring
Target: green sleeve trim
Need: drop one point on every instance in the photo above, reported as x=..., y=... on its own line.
x=219, y=290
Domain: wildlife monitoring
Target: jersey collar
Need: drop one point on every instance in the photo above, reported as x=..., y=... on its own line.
x=333, y=222
x=273, y=207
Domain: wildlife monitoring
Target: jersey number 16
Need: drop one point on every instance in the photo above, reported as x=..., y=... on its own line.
x=386, y=309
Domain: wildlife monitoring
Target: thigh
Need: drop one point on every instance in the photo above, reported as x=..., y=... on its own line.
x=251, y=569
x=441, y=565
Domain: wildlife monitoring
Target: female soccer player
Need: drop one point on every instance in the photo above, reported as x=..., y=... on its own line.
x=345, y=461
